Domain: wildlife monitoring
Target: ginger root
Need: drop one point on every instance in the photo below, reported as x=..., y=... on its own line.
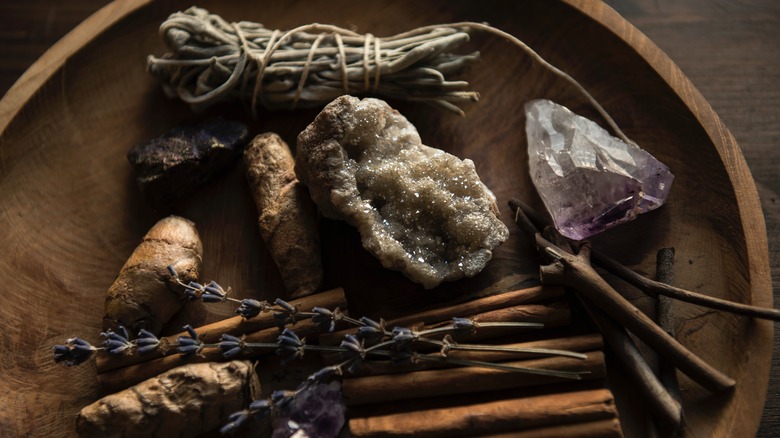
x=145, y=295
x=183, y=402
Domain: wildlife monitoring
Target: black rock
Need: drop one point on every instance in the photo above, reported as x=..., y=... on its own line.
x=177, y=163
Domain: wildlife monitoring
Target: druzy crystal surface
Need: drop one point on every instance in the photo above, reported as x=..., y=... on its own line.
x=418, y=209
x=589, y=180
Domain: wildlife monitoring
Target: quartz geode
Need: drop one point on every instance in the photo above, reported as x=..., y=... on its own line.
x=418, y=209
x=589, y=180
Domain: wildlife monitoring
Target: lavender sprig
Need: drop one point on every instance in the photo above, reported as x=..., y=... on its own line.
x=74, y=352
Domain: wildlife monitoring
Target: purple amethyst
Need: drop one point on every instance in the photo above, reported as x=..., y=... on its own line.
x=589, y=180
x=316, y=412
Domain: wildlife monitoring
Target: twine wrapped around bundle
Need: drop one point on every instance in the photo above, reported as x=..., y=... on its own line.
x=212, y=60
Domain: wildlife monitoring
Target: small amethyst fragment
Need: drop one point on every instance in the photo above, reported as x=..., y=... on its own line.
x=315, y=412
x=175, y=164
x=589, y=180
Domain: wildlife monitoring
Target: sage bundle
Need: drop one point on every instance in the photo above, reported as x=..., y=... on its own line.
x=212, y=60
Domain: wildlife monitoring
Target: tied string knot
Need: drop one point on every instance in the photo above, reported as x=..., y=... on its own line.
x=367, y=65
x=277, y=39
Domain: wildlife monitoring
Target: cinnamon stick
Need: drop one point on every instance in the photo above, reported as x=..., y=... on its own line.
x=535, y=294
x=580, y=407
x=552, y=314
x=235, y=326
x=578, y=344
x=433, y=383
x=609, y=428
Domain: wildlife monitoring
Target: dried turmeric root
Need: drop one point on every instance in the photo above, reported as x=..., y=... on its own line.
x=183, y=402
x=145, y=295
x=288, y=217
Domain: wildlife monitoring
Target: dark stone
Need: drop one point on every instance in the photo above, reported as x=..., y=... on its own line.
x=177, y=163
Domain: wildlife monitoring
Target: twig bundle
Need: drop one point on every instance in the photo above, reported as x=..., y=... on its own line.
x=213, y=60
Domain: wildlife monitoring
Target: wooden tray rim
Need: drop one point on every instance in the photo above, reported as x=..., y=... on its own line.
x=746, y=194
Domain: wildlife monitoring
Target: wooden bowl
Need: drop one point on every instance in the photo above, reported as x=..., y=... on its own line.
x=71, y=213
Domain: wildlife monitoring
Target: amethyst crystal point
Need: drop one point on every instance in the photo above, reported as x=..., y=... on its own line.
x=315, y=412
x=175, y=164
x=589, y=181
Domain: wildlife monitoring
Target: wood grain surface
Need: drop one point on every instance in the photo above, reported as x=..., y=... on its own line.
x=729, y=50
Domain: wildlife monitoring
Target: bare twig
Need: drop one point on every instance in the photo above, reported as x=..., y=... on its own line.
x=654, y=287
x=664, y=273
x=663, y=406
x=657, y=288
x=575, y=271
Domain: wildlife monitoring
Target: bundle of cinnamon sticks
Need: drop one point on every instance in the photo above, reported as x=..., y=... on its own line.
x=439, y=398
x=443, y=400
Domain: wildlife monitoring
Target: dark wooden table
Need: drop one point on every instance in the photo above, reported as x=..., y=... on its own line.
x=729, y=49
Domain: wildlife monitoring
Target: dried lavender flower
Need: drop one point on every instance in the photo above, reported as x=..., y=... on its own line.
x=146, y=341
x=371, y=323
x=213, y=293
x=354, y=344
x=117, y=343
x=290, y=347
x=189, y=344
x=403, y=336
x=75, y=352
x=249, y=308
x=369, y=333
x=322, y=375
x=280, y=399
x=287, y=314
x=464, y=325
x=235, y=421
x=324, y=318
x=286, y=306
x=230, y=345
x=260, y=408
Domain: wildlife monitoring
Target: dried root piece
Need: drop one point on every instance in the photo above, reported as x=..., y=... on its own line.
x=144, y=294
x=288, y=218
x=418, y=209
x=183, y=402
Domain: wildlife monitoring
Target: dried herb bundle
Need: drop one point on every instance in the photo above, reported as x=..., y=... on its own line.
x=213, y=60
